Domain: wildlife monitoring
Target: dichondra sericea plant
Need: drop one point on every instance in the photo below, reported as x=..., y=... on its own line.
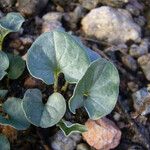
x=96, y=83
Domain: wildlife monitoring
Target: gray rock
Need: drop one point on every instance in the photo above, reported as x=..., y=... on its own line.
x=130, y=62
x=51, y=21
x=114, y=3
x=144, y=62
x=74, y=17
x=89, y=4
x=140, y=20
x=139, y=50
x=112, y=25
x=134, y=7
x=31, y=7
x=60, y=142
x=141, y=101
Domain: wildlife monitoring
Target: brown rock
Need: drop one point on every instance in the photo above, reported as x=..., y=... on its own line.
x=31, y=82
x=144, y=62
x=102, y=134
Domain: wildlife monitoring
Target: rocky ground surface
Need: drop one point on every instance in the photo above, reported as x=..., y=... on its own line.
x=118, y=30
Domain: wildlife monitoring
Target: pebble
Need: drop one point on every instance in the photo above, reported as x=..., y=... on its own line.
x=129, y=62
x=88, y=4
x=139, y=50
x=114, y=3
x=31, y=82
x=31, y=7
x=141, y=99
x=111, y=25
x=135, y=7
x=102, y=134
x=140, y=20
x=51, y=21
x=61, y=142
x=144, y=62
x=83, y=146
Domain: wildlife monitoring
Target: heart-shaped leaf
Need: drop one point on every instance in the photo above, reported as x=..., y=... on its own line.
x=98, y=90
x=4, y=143
x=16, y=117
x=16, y=67
x=71, y=128
x=55, y=52
x=43, y=115
x=12, y=22
x=4, y=64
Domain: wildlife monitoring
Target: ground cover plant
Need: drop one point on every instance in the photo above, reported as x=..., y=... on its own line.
x=52, y=54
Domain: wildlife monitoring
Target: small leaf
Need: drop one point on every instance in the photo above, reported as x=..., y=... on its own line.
x=17, y=119
x=97, y=91
x=3, y=93
x=73, y=128
x=10, y=23
x=43, y=115
x=4, y=143
x=16, y=67
x=4, y=64
x=58, y=52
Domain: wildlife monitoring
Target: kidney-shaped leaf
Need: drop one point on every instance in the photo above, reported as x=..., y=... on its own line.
x=16, y=67
x=4, y=64
x=4, y=143
x=98, y=90
x=57, y=52
x=10, y=23
x=43, y=115
x=16, y=117
x=68, y=128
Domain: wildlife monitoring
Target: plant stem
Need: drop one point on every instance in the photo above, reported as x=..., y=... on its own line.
x=55, y=81
x=64, y=88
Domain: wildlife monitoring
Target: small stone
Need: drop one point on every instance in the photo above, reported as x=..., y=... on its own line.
x=31, y=7
x=129, y=62
x=102, y=134
x=31, y=82
x=74, y=17
x=83, y=146
x=139, y=50
x=144, y=62
x=134, y=7
x=132, y=86
x=140, y=20
x=61, y=142
x=141, y=100
x=51, y=21
x=114, y=3
x=6, y=4
x=115, y=26
x=88, y=4
x=52, y=16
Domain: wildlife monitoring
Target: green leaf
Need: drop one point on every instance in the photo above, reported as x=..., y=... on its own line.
x=16, y=67
x=10, y=23
x=17, y=119
x=4, y=143
x=73, y=128
x=4, y=64
x=43, y=115
x=97, y=91
x=57, y=52
x=3, y=93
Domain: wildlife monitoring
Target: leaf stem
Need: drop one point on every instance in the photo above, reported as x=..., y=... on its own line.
x=56, y=81
x=64, y=88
